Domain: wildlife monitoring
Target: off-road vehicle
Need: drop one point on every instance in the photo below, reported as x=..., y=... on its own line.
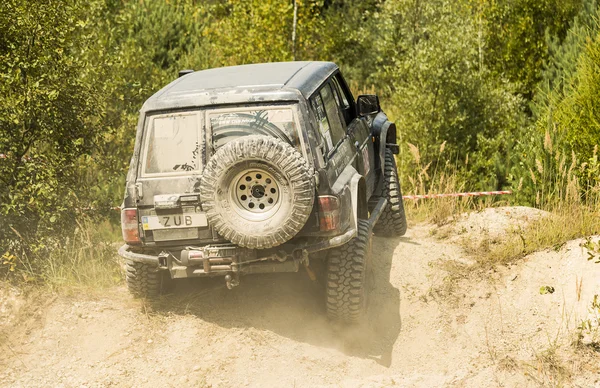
x=260, y=168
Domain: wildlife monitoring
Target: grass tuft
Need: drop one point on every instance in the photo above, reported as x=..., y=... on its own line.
x=561, y=225
x=571, y=196
x=86, y=260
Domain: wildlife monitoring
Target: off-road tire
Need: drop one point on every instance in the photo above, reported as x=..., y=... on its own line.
x=146, y=280
x=392, y=221
x=234, y=213
x=346, y=289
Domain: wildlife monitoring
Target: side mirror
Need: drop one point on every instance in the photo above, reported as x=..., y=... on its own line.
x=368, y=104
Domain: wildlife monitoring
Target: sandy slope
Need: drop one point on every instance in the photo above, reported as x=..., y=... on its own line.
x=492, y=330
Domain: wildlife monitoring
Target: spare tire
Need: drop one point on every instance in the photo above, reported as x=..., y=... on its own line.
x=257, y=191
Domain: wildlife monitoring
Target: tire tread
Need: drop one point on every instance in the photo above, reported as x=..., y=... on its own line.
x=145, y=280
x=346, y=277
x=393, y=218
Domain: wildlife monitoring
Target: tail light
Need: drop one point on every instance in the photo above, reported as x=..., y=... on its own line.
x=129, y=226
x=329, y=213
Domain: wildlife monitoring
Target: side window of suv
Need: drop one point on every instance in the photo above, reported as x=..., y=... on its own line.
x=328, y=117
x=344, y=99
x=319, y=109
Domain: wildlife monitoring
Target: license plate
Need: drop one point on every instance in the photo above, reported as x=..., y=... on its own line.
x=174, y=221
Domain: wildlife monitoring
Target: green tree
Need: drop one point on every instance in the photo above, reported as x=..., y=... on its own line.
x=46, y=112
x=566, y=131
x=441, y=92
x=515, y=31
x=564, y=54
x=579, y=112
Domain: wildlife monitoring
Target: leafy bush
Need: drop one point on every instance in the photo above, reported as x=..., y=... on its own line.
x=46, y=119
x=440, y=91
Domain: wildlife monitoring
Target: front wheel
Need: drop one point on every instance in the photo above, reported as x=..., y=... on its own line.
x=346, y=277
x=393, y=218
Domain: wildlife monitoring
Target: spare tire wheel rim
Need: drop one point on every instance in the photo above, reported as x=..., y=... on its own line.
x=249, y=172
x=255, y=194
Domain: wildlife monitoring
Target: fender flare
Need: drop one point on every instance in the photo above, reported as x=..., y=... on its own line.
x=352, y=183
x=388, y=136
x=384, y=133
x=358, y=190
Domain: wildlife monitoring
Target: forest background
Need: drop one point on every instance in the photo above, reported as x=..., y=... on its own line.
x=486, y=94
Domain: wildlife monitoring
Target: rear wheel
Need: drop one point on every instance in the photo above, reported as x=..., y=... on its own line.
x=393, y=219
x=346, y=277
x=146, y=280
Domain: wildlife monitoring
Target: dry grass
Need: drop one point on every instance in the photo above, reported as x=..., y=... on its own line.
x=563, y=186
x=559, y=363
x=550, y=369
x=562, y=225
x=439, y=177
x=87, y=260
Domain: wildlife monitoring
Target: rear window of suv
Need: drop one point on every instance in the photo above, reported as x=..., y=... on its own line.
x=173, y=144
x=229, y=124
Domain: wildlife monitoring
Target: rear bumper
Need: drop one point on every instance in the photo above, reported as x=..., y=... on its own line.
x=223, y=259
x=217, y=260
x=220, y=260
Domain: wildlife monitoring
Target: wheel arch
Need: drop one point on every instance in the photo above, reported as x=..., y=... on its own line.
x=358, y=190
x=384, y=132
x=352, y=189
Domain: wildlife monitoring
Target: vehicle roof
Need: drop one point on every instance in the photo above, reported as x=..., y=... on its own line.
x=278, y=81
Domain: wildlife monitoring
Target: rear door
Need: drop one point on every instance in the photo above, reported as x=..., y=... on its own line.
x=336, y=146
x=347, y=138
x=172, y=158
x=358, y=131
x=174, y=150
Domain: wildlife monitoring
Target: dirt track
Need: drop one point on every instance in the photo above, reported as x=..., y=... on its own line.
x=271, y=331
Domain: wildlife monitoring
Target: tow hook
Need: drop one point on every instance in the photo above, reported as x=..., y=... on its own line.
x=230, y=282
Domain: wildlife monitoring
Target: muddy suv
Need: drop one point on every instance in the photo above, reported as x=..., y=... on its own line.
x=257, y=169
